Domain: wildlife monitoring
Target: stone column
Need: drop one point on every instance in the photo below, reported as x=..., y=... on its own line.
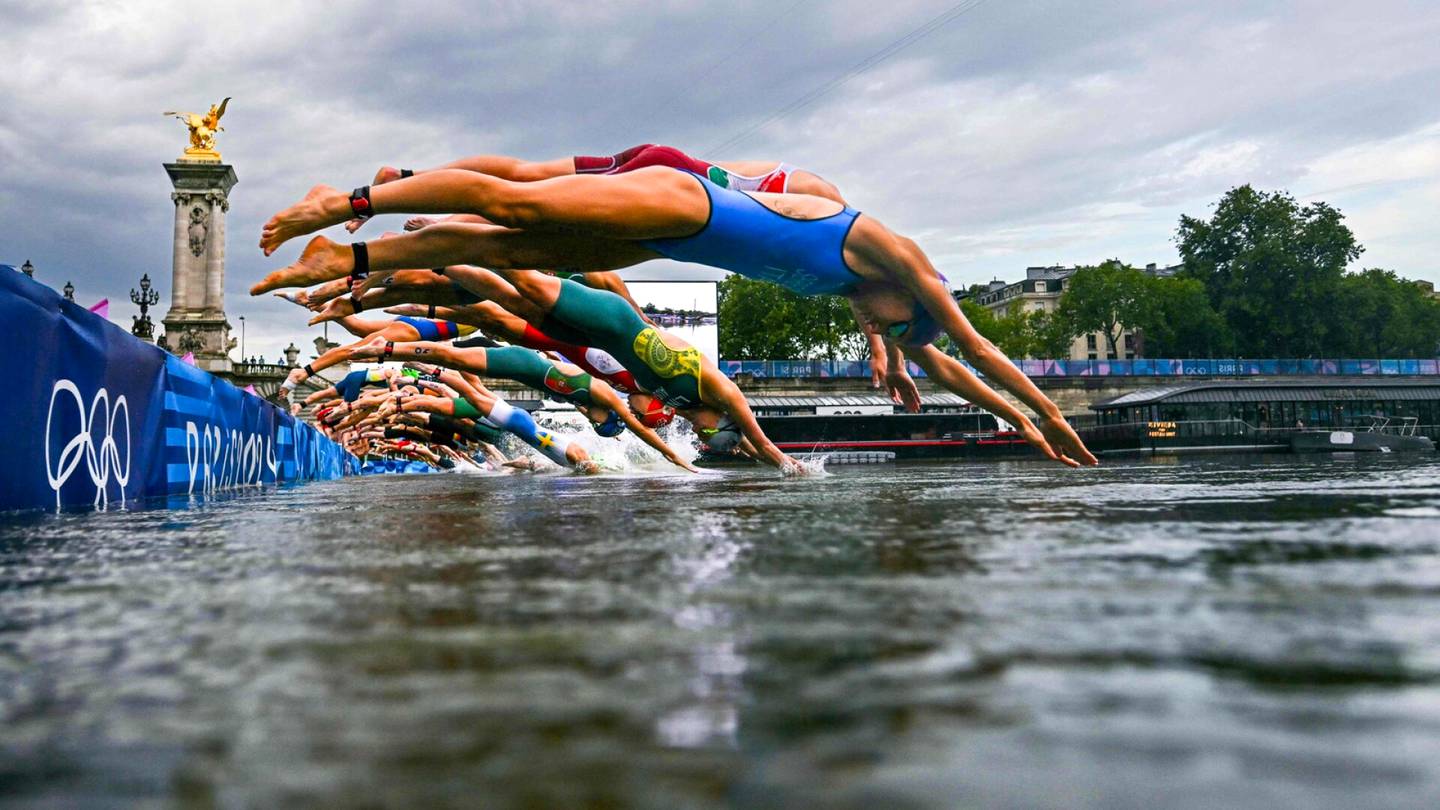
x=197, y=298
x=219, y=206
x=180, y=277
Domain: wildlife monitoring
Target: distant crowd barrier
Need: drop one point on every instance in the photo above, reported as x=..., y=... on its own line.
x=781, y=369
x=92, y=416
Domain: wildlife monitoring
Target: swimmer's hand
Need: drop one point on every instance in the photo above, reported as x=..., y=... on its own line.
x=877, y=369
x=902, y=389
x=1036, y=438
x=1057, y=440
x=587, y=467
x=790, y=468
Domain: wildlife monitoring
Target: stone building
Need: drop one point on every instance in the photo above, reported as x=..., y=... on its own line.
x=1040, y=291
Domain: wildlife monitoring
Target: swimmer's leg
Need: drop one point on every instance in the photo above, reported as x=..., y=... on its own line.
x=646, y=204
x=454, y=244
x=551, y=445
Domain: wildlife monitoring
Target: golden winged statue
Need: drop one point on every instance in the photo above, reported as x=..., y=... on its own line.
x=202, y=131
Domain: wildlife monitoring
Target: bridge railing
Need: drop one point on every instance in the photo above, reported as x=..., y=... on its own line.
x=1223, y=367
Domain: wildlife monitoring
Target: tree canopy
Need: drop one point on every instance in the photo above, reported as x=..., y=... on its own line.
x=1272, y=269
x=764, y=321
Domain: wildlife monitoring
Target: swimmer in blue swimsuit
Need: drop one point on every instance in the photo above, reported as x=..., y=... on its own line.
x=596, y=222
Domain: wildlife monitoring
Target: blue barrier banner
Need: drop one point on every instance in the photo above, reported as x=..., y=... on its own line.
x=389, y=466
x=1139, y=367
x=93, y=416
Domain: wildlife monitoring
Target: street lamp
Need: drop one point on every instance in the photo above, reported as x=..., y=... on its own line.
x=242, y=338
x=28, y=269
x=143, y=328
x=69, y=292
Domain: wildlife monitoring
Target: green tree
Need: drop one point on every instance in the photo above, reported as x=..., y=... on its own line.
x=1178, y=321
x=764, y=321
x=1386, y=316
x=1052, y=335
x=1272, y=269
x=1105, y=298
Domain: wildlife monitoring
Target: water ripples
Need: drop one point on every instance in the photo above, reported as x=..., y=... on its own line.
x=1241, y=631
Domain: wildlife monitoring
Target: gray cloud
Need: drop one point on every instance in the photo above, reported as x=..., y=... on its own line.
x=1019, y=133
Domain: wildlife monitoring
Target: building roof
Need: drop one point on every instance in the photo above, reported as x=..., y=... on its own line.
x=1302, y=390
x=853, y=400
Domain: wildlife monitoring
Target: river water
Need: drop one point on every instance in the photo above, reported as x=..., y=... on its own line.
x=1204, y=632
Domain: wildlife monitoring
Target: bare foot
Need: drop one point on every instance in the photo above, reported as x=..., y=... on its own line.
x=373, y=346
x=377, y=278
x=336, y=309
x=416, y=223
x=302, y=298
x=327, y=292
x=322, y=260
x=385, y=175
x=322, y=206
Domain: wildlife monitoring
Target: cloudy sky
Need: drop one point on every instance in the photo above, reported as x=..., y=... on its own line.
x=1011, y=133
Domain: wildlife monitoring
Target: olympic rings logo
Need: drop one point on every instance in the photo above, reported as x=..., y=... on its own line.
x=102, y=457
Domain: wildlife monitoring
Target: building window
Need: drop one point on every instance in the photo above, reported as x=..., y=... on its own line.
x=1091, y=356
x=1040, y=286
x=1129, y=343
x=1090, y=344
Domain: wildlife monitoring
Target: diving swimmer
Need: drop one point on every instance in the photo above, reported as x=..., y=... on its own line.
x=806, y=243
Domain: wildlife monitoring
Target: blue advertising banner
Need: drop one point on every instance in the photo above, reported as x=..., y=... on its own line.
x=388, y=466
x=93, y=416
x=1140, y=367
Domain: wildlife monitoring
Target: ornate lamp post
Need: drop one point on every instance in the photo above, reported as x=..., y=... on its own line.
x=143, y=327
x=242, y=338
x=69, y=292
x=28, y=269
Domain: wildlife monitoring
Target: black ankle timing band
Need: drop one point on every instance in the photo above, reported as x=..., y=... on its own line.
x=360, y=203
x=361, y=270
x=404, y=173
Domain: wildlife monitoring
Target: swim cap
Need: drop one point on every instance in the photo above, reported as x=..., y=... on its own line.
x=611, y=427
x=923, y=328
x=725, y=437
x=657, y=414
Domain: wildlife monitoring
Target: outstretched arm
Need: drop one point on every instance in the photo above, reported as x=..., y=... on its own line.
x=728, y=396
x=903, y=261
x=952, y=375
x=601, y=392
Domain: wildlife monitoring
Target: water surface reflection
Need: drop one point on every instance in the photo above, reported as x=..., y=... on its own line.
x=1221, y=631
